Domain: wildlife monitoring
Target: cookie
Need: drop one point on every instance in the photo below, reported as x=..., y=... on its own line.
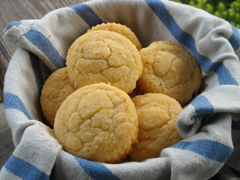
x=104, y=56
x=55, y=90
x=97, y=122
x=171, y=70
x=121, y=29
x=157, y=114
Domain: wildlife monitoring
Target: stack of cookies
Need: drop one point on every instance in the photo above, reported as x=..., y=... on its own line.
x=89, y=104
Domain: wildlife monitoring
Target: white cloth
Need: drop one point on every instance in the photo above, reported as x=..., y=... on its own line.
x=209, y=124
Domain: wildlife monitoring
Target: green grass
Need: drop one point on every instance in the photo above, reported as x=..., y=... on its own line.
x=228, y=10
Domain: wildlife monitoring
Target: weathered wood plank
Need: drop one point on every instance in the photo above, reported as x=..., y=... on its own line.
x=16, y=10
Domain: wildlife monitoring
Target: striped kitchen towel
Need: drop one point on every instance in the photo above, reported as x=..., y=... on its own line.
x=209, y=124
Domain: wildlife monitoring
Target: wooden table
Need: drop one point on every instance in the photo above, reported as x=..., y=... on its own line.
x=16, y=10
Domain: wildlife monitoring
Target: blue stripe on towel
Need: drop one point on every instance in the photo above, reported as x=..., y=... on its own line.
x=12, y=101
x=23, y=169
x=224, y=76
x=95, y=170
x=202, y=106
x=35, y=62
x=86, y=14
x=44, y=45
x=10, y=25
x=207, y=148
x=187, y=40
x=235, y=38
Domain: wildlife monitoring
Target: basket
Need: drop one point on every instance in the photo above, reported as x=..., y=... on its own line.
x=209, y=124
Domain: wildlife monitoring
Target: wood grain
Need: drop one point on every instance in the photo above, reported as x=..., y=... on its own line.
x=16, y=10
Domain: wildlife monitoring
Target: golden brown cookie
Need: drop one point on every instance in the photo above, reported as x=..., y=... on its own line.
x=97, y=122
x=157, y=114
x=169, y=69
x=104, y=56
x=121, y=29
x=55, y=90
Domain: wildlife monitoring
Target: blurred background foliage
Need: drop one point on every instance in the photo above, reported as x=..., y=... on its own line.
x=226, y=9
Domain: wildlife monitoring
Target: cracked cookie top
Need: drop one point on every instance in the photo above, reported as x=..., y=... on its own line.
x=104, y=56
x=169, y=69
x=97, y=122
x=121, y=29
x=157, y=114
x=55, y=90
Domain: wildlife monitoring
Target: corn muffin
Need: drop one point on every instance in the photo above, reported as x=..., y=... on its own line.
x=121, y=29
x=157, y=114
x=97, y=122
x=169, y=69
x=104, y=56
x=55, y=90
